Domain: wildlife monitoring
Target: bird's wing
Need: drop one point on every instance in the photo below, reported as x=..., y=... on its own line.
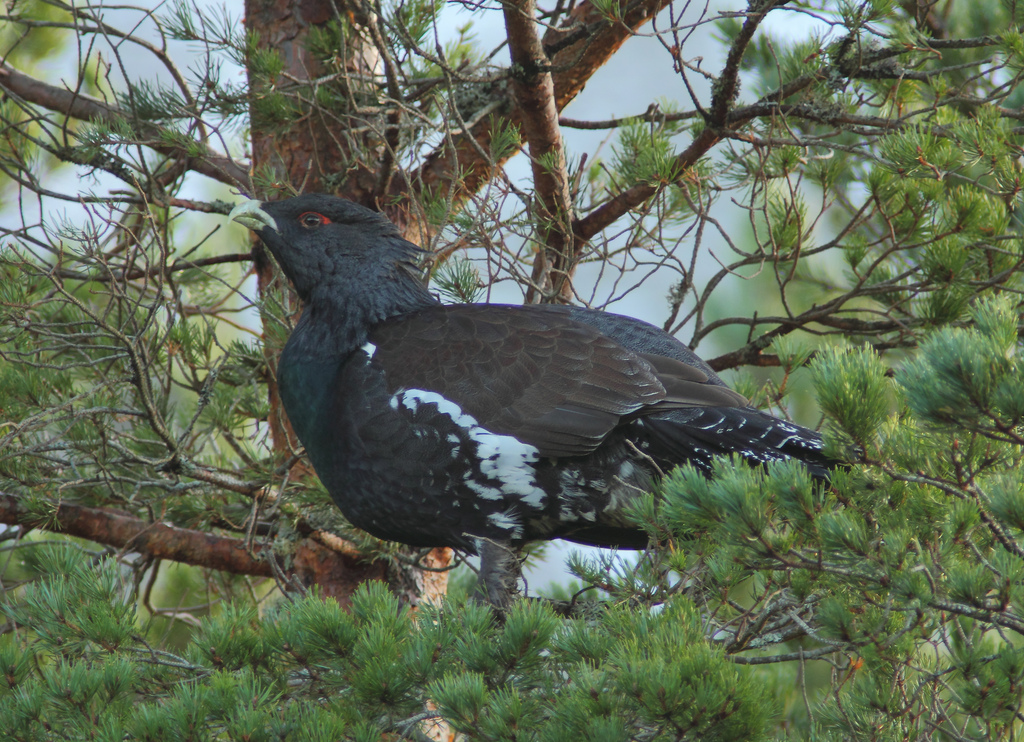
x=700, y=433
x=540, y=376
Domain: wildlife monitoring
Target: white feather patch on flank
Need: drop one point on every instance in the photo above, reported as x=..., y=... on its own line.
x=501, y=458
x=369, y=349
x=507, y=521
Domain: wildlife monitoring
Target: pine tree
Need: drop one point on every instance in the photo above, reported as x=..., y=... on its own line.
x=834, y=199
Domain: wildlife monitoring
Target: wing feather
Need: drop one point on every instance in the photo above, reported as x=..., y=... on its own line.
x=545, y=378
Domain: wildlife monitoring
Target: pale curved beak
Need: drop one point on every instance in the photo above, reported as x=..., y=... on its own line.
x=251, y=214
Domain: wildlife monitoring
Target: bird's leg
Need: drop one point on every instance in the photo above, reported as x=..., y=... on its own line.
x=500, y=571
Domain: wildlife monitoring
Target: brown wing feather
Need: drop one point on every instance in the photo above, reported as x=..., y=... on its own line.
x=554, y=383
x=688, y=386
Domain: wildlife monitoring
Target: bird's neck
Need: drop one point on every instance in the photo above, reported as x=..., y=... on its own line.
x=334, y=324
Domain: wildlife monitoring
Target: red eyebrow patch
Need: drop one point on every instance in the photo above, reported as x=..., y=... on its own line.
x=323, y=219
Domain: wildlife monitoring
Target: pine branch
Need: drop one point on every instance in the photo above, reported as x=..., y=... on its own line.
x=124, y=531
x=653, y=115
x=594, y=40
x=534, y=91
x=603, y=216
x=337, y=570
x=212, y=164
x=717, y=118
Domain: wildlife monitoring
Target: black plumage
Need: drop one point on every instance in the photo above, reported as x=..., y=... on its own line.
x=482, y=427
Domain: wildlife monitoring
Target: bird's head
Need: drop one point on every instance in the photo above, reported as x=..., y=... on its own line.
x=329, y=246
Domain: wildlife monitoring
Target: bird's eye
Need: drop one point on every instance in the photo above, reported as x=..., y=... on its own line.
x=311, y=219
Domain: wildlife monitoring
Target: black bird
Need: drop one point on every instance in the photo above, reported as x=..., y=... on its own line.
x=478, y=426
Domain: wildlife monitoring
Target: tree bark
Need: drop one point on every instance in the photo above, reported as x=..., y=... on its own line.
x=301, y=156
x=310, y=563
